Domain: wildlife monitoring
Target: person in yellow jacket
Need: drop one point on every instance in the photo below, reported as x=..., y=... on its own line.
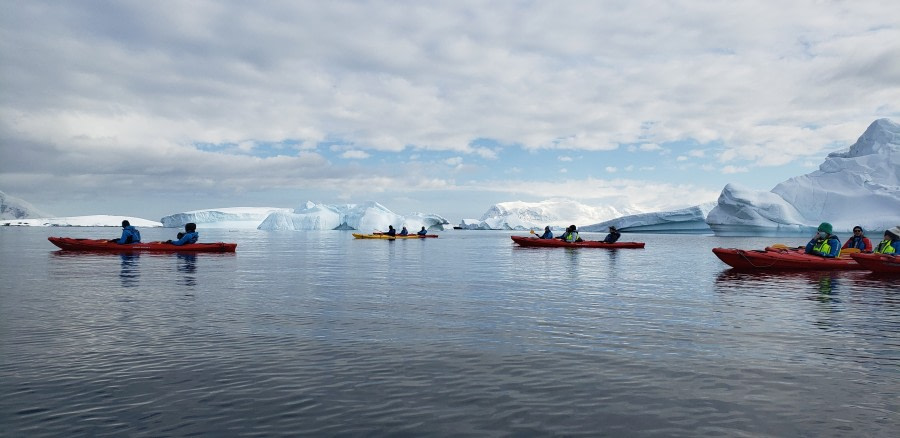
x=571, y=235
x=891, y=242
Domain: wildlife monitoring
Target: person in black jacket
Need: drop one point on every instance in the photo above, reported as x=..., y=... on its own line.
x=613, y=235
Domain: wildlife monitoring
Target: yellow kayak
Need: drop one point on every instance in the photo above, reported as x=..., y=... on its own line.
x=385, y=236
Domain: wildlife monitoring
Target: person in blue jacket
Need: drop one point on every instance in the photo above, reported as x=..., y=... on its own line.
x=422, y=232
x=547, y=233
x=858, y=240
x=404, y=232
x=824, y=243
x=891, y=242
x=130, y=234
x=613, y=235
x=190, y=235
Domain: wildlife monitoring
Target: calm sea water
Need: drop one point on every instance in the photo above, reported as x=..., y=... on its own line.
x=316, y=333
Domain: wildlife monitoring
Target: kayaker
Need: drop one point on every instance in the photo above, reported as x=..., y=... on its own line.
x=824, y=243
x=613, y=235
x=404, y=232
x=190, y=235
x=130, y=234
x=547, y=233
x=858, y=240
x=422, y=232
x=891, y=242
x=571, y=235
x=391, y=231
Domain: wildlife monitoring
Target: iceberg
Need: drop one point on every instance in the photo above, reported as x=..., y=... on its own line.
x=856, y=186
x=368, y=216
x=690, y=220
x=231, y=217
x=15, y=208
x=556, y=213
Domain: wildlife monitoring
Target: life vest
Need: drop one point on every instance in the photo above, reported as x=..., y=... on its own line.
x=857, y=242
x=886, y=247
x=572, y=237
x=822, y=247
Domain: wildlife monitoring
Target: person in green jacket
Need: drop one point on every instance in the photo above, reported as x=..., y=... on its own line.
x=824, y=243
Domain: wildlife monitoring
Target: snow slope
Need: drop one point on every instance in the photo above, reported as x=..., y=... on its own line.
x=231, y=217
x=557, y=213
x=857, y=186
x=367, y=217
x=15, y=208
x=691, y=220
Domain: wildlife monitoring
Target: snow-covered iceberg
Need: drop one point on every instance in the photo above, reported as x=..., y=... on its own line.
x=691, y=220
x=857, y=186
x=231, y=217
x=97, y=220
x=12, y=207
x=556, y=213
x=367, y=217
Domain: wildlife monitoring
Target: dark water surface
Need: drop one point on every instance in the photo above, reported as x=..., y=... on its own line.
x=315, y=333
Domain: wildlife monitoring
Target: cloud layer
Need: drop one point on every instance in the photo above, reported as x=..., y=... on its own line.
x=324, y=96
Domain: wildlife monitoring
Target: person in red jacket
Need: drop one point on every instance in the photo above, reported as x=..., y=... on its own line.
x=859, y=241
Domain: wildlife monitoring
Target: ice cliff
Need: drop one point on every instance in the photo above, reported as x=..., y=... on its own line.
x=367, y=217
x=691, y=220
x=857, y=186
x=556, y=213
x=231, y=217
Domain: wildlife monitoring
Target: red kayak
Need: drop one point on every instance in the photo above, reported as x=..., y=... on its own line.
x=70, y=244
x=557, y=243
x=788, y=260
x=878, y=262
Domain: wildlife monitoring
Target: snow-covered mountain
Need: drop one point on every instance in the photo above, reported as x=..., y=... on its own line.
x=366, y=217
x=15, y=208
x=857, y=186
x=691, y=220
x=96, y=220
x=557, y=213
x=231, y=217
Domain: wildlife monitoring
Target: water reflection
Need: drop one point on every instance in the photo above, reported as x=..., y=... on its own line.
x=824, y=284
x=187, y=266
x=128, y=271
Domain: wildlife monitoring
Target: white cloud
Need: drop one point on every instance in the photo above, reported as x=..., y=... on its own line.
x=733, y=169
x=610, y=169
x=454, y=161
x=564, y=158
x=355, y=155
x=133, y=89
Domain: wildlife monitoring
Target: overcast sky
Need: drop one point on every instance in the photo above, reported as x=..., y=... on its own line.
x=148, y=108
